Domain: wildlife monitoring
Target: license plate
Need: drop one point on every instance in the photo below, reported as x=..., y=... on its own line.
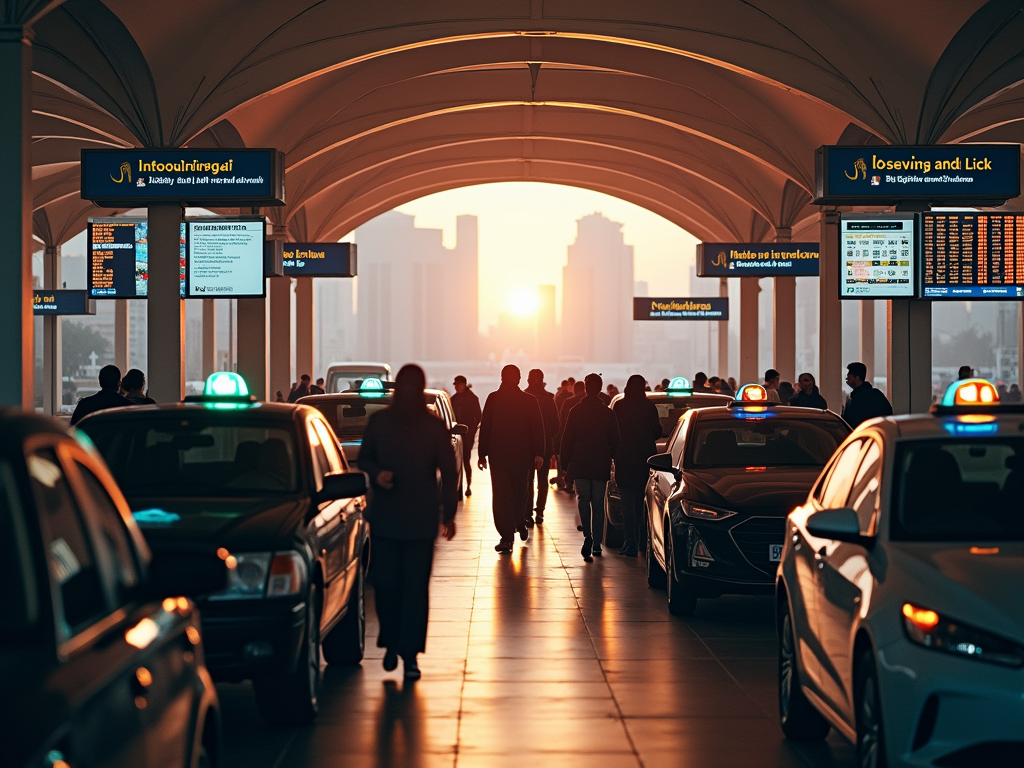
x=775, y=552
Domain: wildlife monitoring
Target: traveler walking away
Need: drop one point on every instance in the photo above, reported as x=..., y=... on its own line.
x=301, y=390
x=866, y=402
x=807, y=395
x=467, y=411
x=700, y=382
x=785, y=392
x=279, y=397
x=512, y=444
x=639, y=430
x=612, y=391
x=725, y=388
x=404, y=448
x=565, y=392
x=549, y=415
x=715, y=384
x=965, y=372
x=1013, y=395
x=318, y=388
x=589, y=442
x=133, y=387
x=771, y=384
x=579, y=392
x=107, y=397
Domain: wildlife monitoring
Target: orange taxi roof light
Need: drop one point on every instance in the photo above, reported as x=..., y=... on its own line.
x=752, y=393
x=970, y=392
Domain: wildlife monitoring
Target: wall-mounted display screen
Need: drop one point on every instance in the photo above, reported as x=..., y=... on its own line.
x=320, y=259
x=118, y=265
x=62, y=302
x=696, y=308
x=877, y=253
x=225, y=258
x=757, y=259
x=970, y=255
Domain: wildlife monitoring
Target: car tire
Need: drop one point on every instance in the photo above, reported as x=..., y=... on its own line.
x=292, y=698
x=655, y=573
x=870, y=725
x=798, y=718
x=346, y=643
x=681, y=592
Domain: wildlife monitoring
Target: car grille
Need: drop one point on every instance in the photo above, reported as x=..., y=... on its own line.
x=753, y=536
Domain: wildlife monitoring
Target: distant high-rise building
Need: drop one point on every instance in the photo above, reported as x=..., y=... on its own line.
x=597, y=293
x=335, y=338
x=547, y=329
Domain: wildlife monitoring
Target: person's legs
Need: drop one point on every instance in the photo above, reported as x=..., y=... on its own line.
x=522, y=494
x=386, y=577
x=417, y=560
x=467, y=460
x=542, y=489
x=632, y=502
x=583, y=504
x=503, y=500
x=597, y=489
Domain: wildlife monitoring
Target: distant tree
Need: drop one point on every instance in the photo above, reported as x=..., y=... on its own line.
x=78, y=342
x=969, y=347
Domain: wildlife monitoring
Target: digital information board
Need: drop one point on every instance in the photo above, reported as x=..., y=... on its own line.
x=877, y=255
x=118, y=266
x=62, y=302
x=697, y=308
x=968, y=255
x=757, y=259
x=225, y=258
x=976, y=174
x=320, y=259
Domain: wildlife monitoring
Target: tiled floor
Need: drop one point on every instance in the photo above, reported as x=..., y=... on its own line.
x=539, y=659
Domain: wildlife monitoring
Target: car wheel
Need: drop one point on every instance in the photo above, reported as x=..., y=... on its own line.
x=797, y=716
x=346, y=643
x=870, y=729
x=680, y=591
x=291, y=699
x=655, y=573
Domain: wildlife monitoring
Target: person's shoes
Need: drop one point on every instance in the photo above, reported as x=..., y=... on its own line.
x=524, y=533
x=412, y=669
x=579, y=527
x=529, y=522
x=469, y=491
x=540, y=517
x=505, y=545
x=390, y=661
x=588, y=548
x=597, y=550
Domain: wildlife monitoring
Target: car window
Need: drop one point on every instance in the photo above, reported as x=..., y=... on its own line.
x=72, y=566
x=330, y=445
x=763, y=440
x=867, y=483
x=676, y=444
x=113, y=548
x=321, y=465
x=836, y=490
x=19, y=598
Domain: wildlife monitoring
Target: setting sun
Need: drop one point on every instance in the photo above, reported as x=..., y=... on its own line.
x=523, y=302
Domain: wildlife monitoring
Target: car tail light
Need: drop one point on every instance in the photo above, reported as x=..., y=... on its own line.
x=287, y=575
x=932, y=630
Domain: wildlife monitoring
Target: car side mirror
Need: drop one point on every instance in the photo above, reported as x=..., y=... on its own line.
x=459, y=429
x=838, y=525
x=343, y=485
x=177, y=573
x=662, y=462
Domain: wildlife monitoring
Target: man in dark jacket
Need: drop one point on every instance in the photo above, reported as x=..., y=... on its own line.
x=549, y=414
x=564, y=392
x=578, y=393
x=589, y=442
x=467, y=411
x=639, y=430
x=107, y=397
x=512, y=440
x=300, y=391
x=866, y=402
x=807, y=395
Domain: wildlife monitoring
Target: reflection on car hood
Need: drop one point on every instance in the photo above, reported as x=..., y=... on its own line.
x=239, y=524
x=979, y=589
x=776, y=490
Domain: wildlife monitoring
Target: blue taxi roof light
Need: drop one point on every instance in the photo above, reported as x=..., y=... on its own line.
x=371, y=384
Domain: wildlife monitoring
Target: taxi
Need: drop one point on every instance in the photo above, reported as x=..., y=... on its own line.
x=900, y=616
x=718, y=497
x=672, y=403
x=349, y=412
x=268, y=483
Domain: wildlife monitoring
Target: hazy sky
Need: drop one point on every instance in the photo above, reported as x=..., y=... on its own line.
x=525, y=228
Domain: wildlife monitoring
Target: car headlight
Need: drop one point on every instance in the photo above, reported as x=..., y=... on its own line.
x=264, y=574
x=701, y=512
x=928, y=628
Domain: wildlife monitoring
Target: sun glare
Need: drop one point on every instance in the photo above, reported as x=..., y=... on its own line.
x=523, y=302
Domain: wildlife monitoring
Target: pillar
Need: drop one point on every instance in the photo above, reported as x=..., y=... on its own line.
x=784, y=317
x=749, y=290
x=251, y=344
x=305, y=332
x=280, y=335
x=209, y=337
x=723, y=332
x=165, y=311
x=1020, y=346
x=53, y=376
x=831, y=370
x=122, y=333
x=16, y=342
x=909, y=355
x=867, y=336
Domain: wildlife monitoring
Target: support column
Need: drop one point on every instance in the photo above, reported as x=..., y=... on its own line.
x=749, y=290
x=16, y=342
x=305, y=332
x=723, y=332
x=165, y=311
x=122, y=335
x=867, y=336
x=1020, y=346
x=909, y=355
x=280, y=335
x=209, y=337
x=251, y=344
x=53, y=376
x=784, y=317
x=830, y=313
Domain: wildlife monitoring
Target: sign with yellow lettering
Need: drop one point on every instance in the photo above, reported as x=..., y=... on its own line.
x=320, y=259
x=62, y=302
x=757, y=259
x=696, y=308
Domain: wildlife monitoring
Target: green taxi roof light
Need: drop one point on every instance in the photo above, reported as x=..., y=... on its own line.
x=372, y=385
x=679, y=383
x=225, y=384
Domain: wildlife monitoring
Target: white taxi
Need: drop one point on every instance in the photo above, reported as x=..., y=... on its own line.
x=901, y=589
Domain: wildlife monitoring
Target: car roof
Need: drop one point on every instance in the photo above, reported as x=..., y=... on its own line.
x=384, y=395
x=17, y=425
x=917, y=426
x=667, y=396
x=789, y=411
x=282, y=411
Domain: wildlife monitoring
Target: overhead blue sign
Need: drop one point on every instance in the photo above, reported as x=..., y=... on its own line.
x=62, y=302
x=319, y=259
x=963, y=173
x=697, y=308
x=757, y=259
x=215, y=177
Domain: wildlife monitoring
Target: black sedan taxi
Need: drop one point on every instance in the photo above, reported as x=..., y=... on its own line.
x=101, y=660
x=717, y=499
x=269, y=483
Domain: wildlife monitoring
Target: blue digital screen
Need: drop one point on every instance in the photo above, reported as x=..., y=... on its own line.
x=697, y=308
x=118, y=258
x=319, y=259
x=757, y=259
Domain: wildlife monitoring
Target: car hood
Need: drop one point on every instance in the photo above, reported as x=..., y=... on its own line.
x=979, y=589
x=237, y=524
x=776, y=490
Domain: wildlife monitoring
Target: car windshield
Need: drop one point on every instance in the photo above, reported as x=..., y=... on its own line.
x=670, y=410
x=350, y=416
x=346, y=381
x=959, y=490
x=197, y=455
x=771, y=441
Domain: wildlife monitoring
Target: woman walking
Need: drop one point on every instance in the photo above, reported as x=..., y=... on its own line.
x=639, y=430
x=404, y=447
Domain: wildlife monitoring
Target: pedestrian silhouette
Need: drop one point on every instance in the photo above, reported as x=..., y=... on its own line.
x=466, y=405
x=866, y=402
x=318, y=388
x=133, y=386
x=302, y=390
x=771, y=385
x=965, y=372
x=639, y=430
x=549, y=414
x=807, y=394
x=107, y=397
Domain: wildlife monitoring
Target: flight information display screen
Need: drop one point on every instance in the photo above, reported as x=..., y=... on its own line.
x=118, y=265
x=970, y=255
x=877, y=255
x=225, y=258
